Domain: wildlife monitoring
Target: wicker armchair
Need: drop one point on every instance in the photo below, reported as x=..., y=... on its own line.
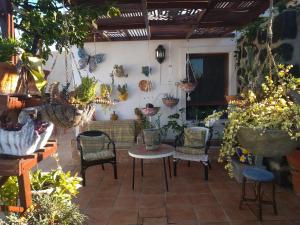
x=196, y=154
x=96, y=148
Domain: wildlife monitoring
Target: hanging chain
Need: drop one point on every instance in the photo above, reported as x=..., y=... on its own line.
x=271, y=60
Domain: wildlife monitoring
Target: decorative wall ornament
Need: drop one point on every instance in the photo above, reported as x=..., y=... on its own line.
x=146, y=70
x=91, y=61
x=118, y=71
x=145, y=85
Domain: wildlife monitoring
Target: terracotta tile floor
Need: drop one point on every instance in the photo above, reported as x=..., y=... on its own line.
x=190, y=200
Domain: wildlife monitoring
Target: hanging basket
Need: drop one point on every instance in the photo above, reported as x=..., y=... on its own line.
x=67, y=115
x=150, y=111
x=187, y=86
x=170, y=102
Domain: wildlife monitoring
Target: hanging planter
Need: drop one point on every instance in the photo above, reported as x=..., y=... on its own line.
x=187, y=87
x=67, y=115
x=146, y=70
x=150, y=110
x=71, y=108
x=170, y=101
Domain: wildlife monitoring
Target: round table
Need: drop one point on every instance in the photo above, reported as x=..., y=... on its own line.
x=140, y=152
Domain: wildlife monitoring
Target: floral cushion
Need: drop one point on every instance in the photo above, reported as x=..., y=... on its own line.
x=245, y=156
x=194, y=137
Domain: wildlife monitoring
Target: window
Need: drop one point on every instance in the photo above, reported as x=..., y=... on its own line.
x=211, y=71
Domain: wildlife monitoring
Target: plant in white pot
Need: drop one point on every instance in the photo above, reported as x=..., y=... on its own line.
x=267, y=125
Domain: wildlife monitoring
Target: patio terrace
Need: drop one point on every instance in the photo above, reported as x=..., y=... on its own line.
x=190, y=201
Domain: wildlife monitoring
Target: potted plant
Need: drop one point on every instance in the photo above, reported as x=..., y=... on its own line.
x=266, y=125
x=123, y=92
x=175, y=123
x=66, y=108
x=187, y=85
x=169, y=100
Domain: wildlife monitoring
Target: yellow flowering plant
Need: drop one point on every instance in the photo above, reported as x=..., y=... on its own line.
x=273, y=109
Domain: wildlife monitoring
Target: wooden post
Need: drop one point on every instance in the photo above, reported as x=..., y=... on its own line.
x=7, y=29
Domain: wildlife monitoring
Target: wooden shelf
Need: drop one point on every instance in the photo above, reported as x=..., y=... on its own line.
x=20, y=166
x=8, y=102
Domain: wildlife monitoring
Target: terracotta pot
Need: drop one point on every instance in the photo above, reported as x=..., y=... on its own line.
x=8, y=78
x=187, y=87
x=170, y=102
x=294, y=163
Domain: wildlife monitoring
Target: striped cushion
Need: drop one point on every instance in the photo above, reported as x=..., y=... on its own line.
x=91, y=144
x=194, y=137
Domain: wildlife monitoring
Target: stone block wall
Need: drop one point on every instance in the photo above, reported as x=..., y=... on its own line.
x=285, y=46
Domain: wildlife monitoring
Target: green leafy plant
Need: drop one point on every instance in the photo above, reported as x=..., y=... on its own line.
x=47, y=210
x=176, y=122
x=64, y=185
x=8, y=49
x=86, y=91
x=9, y=192
x=59, y=23
x=273, y=110
x=32, y=66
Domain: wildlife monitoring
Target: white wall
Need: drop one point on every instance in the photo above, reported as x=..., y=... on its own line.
x=135, y=54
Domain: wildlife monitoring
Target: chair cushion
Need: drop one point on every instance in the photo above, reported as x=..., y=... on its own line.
x=191, y=151
x=194, y=137
x=258, y=174
x=92, y=143
x=104, y=154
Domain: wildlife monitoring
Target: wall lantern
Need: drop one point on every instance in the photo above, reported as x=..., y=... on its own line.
x=160, y=54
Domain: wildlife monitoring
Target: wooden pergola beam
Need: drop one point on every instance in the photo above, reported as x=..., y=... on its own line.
x=177, y=4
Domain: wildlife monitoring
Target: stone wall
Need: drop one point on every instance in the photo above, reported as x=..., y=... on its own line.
x=285, y=47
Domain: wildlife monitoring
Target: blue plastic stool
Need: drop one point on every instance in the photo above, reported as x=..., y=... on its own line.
x=258, y=176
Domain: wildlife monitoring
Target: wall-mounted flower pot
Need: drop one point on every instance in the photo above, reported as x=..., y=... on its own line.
x=146, y=70
x=123, y=97
x=170, y=102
